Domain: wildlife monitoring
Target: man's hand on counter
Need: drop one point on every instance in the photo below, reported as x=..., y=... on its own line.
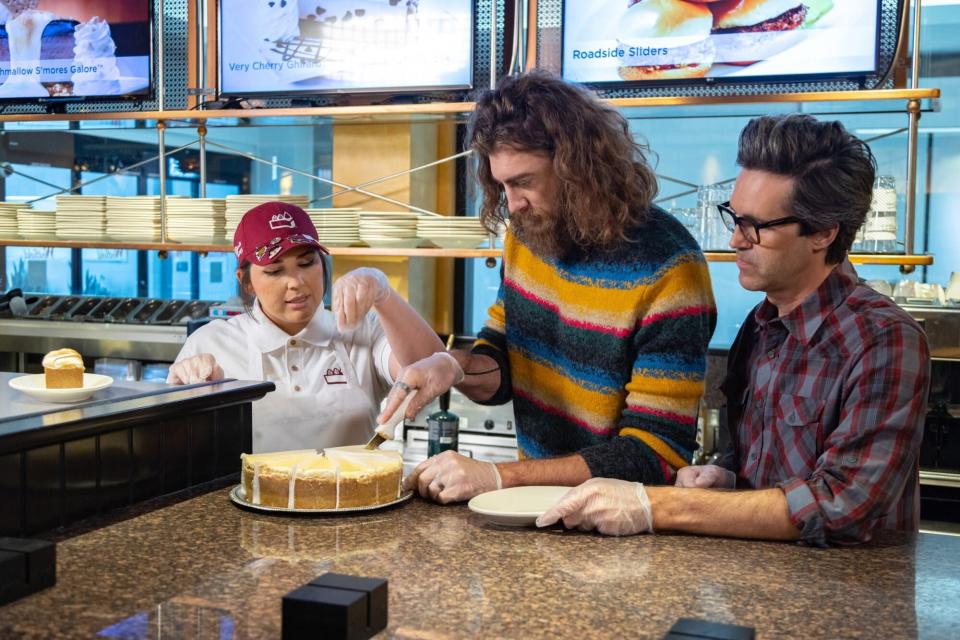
x=201, y=368
x=431, y=376
x=451, y=477
x=706, y=476
x=612, y=507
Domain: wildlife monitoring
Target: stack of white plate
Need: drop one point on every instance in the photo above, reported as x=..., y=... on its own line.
x=134, y=218
x=199, y=220
x=336, y=227
x=238, y=205
x=8, y=218
x=36, y=225
x=389, y=229
x=451, y=232
x=81, y=217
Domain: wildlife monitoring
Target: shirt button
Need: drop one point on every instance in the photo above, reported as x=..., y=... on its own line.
x=296, y=387
x=758, y=404
x=753, y=456
x=295, y=368
x=292, y=342
x=772, y=354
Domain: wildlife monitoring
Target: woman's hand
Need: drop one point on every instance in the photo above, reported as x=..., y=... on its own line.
x=355, y=293
x=201, y=368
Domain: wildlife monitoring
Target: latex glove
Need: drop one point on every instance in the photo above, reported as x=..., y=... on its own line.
x=612, y=507
x=195, y=369
x=707, y=476
x=432, y=376
x=355, y=293
x=451, y=477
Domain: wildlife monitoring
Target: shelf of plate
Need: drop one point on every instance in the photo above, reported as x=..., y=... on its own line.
x=712, y=256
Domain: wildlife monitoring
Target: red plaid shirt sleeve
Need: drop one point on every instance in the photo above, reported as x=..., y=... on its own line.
x=869, y=458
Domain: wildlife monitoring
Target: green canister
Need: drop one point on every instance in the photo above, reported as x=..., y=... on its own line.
x=443, y=428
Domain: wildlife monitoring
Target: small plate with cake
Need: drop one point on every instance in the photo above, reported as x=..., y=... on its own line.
x=63, y=379
x=332, y=480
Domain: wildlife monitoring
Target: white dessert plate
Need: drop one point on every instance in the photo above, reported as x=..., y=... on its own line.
x=516, y=506
x=33, y=385
x=237, y=498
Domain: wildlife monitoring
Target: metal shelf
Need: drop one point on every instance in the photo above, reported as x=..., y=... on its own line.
x=940, y=478
x=712, y=256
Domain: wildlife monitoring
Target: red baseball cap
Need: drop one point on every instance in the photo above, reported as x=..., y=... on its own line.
x=271, y=229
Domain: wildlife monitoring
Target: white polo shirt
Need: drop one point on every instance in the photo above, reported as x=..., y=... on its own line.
x=329, y=386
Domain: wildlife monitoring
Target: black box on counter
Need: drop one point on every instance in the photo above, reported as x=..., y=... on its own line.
x=26, y=566
x=693, y=629
x=338, y=606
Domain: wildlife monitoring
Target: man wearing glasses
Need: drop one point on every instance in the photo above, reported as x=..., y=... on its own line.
x=827, y=380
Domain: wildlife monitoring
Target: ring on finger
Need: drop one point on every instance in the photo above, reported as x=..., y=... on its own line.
x=400, y=384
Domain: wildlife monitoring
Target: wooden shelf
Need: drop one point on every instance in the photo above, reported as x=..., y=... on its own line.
x=366, y=113
x=712, y=256
x=856, y=258
x=228, y=248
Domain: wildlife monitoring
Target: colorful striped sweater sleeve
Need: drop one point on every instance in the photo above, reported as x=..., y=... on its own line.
x=606, y=352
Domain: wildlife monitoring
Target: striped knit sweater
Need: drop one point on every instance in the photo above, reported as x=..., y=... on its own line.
x=604, y=355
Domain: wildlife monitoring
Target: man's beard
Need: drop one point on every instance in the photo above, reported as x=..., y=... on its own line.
x=545, y=234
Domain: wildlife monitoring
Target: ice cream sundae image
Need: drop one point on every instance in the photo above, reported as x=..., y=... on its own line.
x=24, y=30
x=95, y=60
x=73, y=48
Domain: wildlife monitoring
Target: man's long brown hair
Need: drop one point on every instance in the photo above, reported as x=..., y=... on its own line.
x=606, y=182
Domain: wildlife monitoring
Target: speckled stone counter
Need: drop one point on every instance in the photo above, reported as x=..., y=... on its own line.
x=203, y=568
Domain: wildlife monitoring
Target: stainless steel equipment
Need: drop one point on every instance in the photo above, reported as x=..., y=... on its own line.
x=144, y=329
x=486, y=433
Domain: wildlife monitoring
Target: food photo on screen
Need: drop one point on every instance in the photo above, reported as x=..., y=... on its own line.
x=285, y=47
x=613, y=41
x=74, y=48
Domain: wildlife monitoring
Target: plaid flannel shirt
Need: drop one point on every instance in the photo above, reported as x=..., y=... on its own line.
x=831, y=410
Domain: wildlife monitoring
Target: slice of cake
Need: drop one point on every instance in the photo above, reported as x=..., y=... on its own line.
x=335, y=478
x=63, y=369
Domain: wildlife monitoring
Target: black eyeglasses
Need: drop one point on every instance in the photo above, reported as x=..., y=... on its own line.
x=751, y=228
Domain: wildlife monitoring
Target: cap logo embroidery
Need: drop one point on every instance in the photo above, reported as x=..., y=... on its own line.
x=282, y=220
x=238, y=249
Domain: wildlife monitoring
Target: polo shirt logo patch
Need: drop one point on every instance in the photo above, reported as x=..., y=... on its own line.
x=335, y=376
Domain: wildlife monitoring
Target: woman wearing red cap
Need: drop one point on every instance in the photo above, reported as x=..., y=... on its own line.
x=331, y=368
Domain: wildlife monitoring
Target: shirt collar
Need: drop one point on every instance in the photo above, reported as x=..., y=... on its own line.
x=805, y=320
x=267, y=337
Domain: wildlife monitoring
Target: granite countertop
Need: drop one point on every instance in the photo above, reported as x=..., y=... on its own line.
x=203, y=568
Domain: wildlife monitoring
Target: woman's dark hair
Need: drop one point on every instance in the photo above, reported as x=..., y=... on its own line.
x=246, y=283
x=832, y=171
x=606, y=182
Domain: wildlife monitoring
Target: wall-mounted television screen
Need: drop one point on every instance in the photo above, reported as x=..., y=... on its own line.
x=74, y=49
x=656, y=41
x=286, y=47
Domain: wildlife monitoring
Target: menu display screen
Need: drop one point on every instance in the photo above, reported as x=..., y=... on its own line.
x=74, y=48
x=671, y=40
x=286, y=47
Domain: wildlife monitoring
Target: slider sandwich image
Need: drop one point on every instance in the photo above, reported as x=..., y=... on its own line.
x=665, y=40
x=751, y=30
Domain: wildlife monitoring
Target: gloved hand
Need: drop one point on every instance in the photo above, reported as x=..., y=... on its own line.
x=451, y=477
x=707, y=476
x=355, y=293
x=432, y=376
x=612, y=507
x=195, y=369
